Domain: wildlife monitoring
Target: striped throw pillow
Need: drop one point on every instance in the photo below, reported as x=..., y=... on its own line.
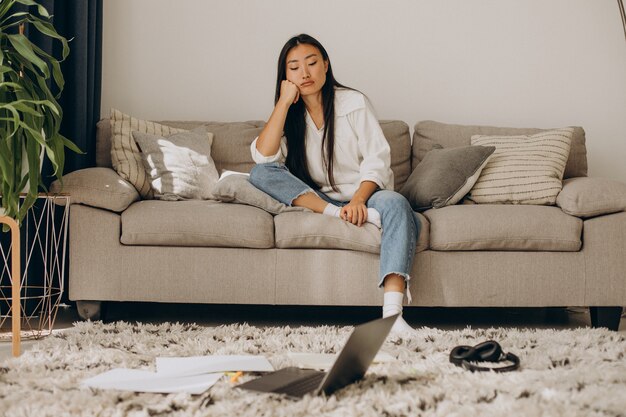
x=126, y=155
x=525, y=169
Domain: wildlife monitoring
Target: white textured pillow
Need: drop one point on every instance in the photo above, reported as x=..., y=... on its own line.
x=234, y=187
x=179, y=165
x=126, y=156
x=524, y=169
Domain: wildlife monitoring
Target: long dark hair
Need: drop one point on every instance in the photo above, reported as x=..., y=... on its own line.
x=295, y=125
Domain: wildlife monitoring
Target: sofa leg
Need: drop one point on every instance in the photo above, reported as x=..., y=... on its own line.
x=605, y=317
x=90, y=310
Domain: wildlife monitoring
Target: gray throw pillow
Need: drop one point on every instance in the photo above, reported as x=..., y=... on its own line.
x=97, y=187
x=235, y=188
x=179, y=166
x=445, y=176
x=588, y=197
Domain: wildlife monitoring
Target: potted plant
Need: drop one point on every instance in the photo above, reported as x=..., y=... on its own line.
x=30, y=116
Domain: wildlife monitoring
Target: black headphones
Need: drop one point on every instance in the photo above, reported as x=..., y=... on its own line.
x=489, y=351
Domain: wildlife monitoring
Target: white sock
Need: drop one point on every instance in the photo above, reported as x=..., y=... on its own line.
x=392, y=304
x=332, y=210
x=372, y=214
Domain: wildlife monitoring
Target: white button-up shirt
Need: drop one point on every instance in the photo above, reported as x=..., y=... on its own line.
x=361, y=150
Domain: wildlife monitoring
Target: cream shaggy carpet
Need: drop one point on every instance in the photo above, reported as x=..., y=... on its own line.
x=578, y=372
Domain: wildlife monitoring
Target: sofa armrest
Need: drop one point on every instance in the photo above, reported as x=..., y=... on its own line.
x=589, y=197
x=97, y=187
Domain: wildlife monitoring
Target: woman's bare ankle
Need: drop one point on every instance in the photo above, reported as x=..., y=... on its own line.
x=311, y=201
x=394, y=282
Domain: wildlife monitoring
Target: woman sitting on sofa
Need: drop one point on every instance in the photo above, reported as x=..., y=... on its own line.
x=338, y=162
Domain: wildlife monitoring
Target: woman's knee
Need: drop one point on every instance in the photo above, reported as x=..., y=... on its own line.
x=391, y=201
x=260, y=172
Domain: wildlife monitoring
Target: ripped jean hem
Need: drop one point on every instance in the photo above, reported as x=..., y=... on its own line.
x=310, y=190
x=407, y=279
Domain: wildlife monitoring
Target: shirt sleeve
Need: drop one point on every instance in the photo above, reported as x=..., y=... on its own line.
x=259, y=158
x=376, y=163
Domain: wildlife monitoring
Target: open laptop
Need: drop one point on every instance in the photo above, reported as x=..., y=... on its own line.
x=350, y=366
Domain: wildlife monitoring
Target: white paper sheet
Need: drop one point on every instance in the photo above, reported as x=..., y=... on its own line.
x=324, y=361
x=226, y=173
x=194, y=365
x=146, y=381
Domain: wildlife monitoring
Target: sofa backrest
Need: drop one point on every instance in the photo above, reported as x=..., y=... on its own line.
x=429, y=133
x=231, y=144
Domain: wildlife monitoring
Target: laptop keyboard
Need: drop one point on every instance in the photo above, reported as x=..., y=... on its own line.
x=303, y=386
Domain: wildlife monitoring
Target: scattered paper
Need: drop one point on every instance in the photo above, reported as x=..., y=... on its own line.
x=192, y=375
x=226, y=173
x=146, y=381
x=324, y=361
x=194, y=365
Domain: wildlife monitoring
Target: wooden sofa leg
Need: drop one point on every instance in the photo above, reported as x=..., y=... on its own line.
x=90, y=310
x=605, y=317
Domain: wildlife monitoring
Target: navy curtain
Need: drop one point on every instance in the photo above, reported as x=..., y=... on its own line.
x=80, y=21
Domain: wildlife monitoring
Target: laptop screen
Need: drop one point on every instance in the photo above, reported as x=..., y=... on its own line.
x=357, y=355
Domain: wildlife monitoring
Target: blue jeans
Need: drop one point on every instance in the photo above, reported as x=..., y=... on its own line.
x=400, y=224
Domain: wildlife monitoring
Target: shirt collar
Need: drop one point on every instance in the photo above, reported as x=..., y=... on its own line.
x=311, y=123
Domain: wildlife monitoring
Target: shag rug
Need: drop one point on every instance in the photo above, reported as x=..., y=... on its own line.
x=579, y=372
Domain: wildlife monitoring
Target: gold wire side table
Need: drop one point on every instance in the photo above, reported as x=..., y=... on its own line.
x=33, y=270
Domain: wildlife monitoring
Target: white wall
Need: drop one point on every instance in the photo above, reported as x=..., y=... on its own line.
x=499, y=62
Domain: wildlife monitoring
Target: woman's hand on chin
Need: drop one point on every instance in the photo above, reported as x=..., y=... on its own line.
x=354, y=212
x=289, y=92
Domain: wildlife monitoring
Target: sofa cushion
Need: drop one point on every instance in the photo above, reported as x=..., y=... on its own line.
x=318, y=231
x=524, y=169
x=589, y=197
x=231, y=144
x=428, y=133
x=397, y=134
x=197, y=223
x=503, y=227
x=97, y=187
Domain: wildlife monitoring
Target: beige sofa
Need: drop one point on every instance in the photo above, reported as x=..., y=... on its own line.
x=123, y=249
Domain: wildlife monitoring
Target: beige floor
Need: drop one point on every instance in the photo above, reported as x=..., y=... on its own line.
x=212, y=315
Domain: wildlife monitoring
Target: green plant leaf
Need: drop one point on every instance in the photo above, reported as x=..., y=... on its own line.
x=22, y=183
x=16, y=117
x=47, y=29
x=5, y=163
x=58, y=147
x=24, y=47
x=32, y=155
x=42, y=10
x=6, y=25
x=72, y=146
x=56, y=69
x=15, y=86
x=24, y=108
x=27, y=203
x=5, y=6
x=34, y=134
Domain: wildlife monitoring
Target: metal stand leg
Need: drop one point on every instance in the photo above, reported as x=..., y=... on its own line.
x=15, y=282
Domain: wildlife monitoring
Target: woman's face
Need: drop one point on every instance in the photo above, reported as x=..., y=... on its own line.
x=306, y=68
